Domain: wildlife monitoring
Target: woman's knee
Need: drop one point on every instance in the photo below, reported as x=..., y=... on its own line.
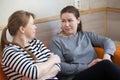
x=106, y=62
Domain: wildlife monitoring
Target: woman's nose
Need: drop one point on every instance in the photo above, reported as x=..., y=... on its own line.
x=67, y=24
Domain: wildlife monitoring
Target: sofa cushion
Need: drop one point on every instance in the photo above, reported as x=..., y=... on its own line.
x=115, y=58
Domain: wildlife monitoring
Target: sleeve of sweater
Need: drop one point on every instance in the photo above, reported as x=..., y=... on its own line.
x=101, y=41
x=66, y=68
x=19, y=63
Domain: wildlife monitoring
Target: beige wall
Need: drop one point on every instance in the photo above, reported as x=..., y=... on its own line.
x=113, y=3
x=113, y=25
x=45, y=8
x=41, y=8
x=89, y=4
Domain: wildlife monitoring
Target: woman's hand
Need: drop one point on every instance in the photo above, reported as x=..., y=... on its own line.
x=107, y=56
x=46, y=67
x=55, y=58
x=94, y=62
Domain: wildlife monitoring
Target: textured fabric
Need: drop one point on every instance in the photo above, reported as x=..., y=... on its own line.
x=77, y=51
x=16, y=62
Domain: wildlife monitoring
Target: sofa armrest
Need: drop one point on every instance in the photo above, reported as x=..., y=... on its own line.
x=2, y=74
x=115, y=58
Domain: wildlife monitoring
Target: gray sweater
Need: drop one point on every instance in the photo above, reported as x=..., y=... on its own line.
x=77, y=51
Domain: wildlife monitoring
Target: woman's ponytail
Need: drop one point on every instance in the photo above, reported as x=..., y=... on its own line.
x=4, y=40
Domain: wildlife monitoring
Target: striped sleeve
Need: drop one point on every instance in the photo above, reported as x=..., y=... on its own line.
x=44, y=49
x=19, y=63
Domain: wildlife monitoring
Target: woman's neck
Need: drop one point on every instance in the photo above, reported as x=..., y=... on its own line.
x=67, y=35
x=22, y=41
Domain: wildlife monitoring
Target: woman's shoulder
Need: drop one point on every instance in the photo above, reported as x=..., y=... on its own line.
x=86, y=33
x=10, y=49
x=56, y=37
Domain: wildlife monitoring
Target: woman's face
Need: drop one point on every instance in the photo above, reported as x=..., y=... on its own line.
x=69, y=23
x=30, y=29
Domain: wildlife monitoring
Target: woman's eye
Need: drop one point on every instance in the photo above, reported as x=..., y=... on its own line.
x=63, y=21
x=70, y=20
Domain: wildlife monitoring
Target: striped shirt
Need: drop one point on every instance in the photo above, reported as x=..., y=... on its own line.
x=16, y=62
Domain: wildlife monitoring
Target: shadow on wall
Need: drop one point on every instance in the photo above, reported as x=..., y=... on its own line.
x=45, y=31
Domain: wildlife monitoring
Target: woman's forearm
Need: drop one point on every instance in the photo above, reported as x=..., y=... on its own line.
x=51, y=73
x=47, y=74
x=45, y=67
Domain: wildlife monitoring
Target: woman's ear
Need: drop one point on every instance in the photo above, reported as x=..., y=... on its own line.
x=22, y=29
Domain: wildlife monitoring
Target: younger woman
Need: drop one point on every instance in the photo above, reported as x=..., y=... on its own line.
x=26, y=57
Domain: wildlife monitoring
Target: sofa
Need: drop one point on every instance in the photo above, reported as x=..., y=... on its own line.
x=99, y=51
x=2, y=74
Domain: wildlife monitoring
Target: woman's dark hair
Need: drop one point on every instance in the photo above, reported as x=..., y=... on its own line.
x=17, y=19
x=75, y=11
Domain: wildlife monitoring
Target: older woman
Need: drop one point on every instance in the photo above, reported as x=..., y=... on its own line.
x=75, y=48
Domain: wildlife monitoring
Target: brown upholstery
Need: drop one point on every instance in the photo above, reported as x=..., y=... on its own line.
x=116, y=58
x=2, y=75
